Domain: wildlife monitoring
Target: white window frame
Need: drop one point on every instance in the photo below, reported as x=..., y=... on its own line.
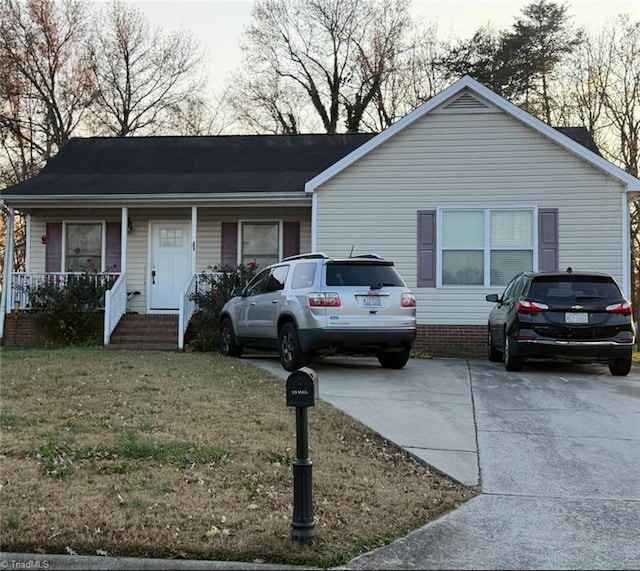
x=440, y=210
x=103, y=240
x=243, y=221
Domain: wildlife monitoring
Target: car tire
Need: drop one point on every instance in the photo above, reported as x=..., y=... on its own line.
x=620, y=367
x=291, y=355
x=229, y=345
x=493, y=354
x=394, y=360
x=511, y=362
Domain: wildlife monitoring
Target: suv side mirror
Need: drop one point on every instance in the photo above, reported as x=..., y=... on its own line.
x=237, y=291
x=492, y=297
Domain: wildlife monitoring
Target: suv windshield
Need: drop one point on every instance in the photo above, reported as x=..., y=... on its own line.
x=574, y=288
x=362, y=274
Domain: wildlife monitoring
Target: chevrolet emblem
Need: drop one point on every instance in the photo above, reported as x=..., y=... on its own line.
x=577, y=307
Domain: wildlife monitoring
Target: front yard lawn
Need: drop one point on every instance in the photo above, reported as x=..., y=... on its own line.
x=188, y=455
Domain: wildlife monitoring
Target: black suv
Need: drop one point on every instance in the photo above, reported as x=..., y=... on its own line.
x=581, y=316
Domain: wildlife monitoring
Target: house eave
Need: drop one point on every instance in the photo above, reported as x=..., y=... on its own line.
x=69, y=201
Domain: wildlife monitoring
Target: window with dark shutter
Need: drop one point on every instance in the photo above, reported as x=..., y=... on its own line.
x=426, y=248
x=113, y=247
x=291, y=239
x=53, y=254
x=229, y=244
x=548, y=239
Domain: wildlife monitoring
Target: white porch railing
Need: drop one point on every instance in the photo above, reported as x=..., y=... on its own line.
x=24, y=283
x=187, y=308
x=188, y=305
x=115, y=306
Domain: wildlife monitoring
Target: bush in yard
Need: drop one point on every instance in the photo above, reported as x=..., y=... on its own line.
x=215, y=288
x=66, y=307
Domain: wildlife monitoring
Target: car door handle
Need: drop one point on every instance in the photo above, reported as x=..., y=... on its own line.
x=274, y=300
x=253, y=302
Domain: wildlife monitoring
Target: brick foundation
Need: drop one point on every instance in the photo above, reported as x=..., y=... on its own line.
x=452, y=340
x=435, y=340
x=20, y=330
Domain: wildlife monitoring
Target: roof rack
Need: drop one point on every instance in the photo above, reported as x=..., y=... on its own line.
x=310, y=256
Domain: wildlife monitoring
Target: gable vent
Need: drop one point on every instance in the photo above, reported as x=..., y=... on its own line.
x=466, y=101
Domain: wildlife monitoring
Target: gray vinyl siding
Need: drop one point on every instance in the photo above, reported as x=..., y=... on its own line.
x=473, y=159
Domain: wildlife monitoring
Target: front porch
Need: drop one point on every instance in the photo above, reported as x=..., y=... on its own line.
x=115, y=323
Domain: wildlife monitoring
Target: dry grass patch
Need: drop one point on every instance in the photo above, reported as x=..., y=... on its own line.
x=189, y=455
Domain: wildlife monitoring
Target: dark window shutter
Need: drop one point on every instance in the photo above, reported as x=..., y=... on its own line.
x=53, y=254
x=427, y=248
x=229, y=254
x=548, y=239
x=291, y=239
x=113, y=247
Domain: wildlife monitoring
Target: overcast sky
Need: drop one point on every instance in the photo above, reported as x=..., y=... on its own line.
x=219, y=24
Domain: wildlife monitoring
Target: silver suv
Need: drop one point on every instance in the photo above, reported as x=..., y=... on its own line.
x=312, y=304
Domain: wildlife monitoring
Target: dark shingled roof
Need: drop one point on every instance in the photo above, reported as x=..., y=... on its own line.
x=198, y=165
x=157, y=166
x=580, y=135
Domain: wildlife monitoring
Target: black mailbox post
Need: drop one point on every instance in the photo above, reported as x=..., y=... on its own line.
x=302, y=392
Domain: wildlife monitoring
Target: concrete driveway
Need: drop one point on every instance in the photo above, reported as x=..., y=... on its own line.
x=556, y=449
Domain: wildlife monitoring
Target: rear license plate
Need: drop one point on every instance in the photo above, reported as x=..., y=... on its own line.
x=576, y=317
x=371, y=301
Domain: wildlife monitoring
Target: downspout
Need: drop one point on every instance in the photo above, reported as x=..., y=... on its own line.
x=8, y=266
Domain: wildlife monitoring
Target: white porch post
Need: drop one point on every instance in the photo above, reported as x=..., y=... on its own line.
x=194, y=233
x=124, y=227
x=5, y=298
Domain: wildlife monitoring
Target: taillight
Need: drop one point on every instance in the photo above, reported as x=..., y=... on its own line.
x=407, y=300
x=324, y=300
x=531, y=306
x=623, y=307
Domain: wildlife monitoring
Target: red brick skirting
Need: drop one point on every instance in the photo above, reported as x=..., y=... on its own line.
x=452, y=340
x=20, y=330
x=434, y=340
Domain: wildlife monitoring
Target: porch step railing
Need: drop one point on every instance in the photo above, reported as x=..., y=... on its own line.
x=115, y=306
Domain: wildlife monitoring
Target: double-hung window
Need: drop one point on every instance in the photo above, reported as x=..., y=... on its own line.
x=260, y=243
x=485, y=247
x=84, y=246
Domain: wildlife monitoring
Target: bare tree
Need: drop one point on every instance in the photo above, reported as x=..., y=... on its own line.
x=141, y=73
x=45, y=88
x=335, y=53
x=45, y=77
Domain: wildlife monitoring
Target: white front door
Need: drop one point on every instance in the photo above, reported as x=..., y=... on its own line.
x=170, y=264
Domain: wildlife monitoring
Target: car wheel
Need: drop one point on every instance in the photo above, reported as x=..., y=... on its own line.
x=493, y=354
x=394, y=360
x=511, y=362
x=620, y=367
x=228, y=344
x=291, y=355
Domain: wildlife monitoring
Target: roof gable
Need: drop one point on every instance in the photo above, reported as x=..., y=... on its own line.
x=470, y=96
